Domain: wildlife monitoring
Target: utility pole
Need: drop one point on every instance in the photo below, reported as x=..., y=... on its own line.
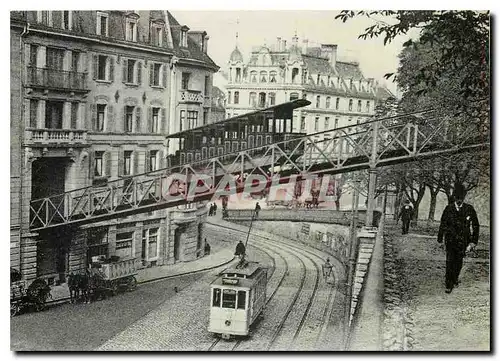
x=353, y=255
x=373, y=176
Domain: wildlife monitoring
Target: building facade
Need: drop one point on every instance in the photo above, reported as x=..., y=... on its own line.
x=94, y=93
x=339, y=93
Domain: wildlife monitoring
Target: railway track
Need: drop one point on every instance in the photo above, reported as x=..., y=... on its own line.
x=313, y=258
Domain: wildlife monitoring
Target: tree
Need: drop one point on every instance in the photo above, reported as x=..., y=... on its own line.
x=460, y=40
x=446, y=69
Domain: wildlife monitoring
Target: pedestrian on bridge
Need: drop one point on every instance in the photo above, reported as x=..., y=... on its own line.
x=257, y=209
x=460, y=229
x=215, y=209
x=211, y=211
x=405, y=215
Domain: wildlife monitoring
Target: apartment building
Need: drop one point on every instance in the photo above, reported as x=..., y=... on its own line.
x=94, y=93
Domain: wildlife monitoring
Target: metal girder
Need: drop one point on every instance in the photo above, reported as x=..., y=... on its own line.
x=372, y=144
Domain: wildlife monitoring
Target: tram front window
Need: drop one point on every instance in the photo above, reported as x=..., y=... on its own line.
x=242, y=295
x=228, y=299
x=216, y=298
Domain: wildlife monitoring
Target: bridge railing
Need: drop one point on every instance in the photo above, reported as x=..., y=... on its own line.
x=399, y=138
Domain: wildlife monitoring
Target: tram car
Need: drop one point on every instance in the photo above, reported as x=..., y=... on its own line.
x=238, y=297
x=249, y=132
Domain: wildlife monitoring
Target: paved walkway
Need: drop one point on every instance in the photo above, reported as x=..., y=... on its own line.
x=434, y=320
x=213, y=260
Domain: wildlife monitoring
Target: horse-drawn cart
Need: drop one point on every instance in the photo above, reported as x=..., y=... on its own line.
x=116, y=275
x=34, y=296
x=120, y=275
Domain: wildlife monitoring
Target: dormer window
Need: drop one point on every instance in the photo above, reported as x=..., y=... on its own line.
x=183, y=40
x=102, y=24
x=66, y=19
x=44, y=17
x=157, y=32
x=131, y=27
x=131, y=30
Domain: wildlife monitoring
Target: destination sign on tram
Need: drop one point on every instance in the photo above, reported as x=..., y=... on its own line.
x=230, y=281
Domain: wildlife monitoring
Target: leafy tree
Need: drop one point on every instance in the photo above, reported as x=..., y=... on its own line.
x=460, y=40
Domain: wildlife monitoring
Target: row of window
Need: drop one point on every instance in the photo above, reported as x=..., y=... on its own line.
x=128, y=163
x=102, y=24
x=54, y=117
x=252, y=100
x=337, y=104
x=124, y=244
x=326, y=123
x=103, y=70
x=131, y=119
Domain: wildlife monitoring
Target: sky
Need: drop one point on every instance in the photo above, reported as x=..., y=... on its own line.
x=257, y=28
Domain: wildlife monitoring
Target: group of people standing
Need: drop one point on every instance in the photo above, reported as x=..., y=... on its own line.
x=213, y=210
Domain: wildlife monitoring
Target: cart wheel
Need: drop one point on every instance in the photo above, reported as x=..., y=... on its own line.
x=132, y=284
x=14, y=309
x=114, y=288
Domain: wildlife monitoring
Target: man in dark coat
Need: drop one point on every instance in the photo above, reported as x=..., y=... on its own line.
x=257, y=209
x=405, y=215
x=240, y=249
x=456, y=222
x=215, y=210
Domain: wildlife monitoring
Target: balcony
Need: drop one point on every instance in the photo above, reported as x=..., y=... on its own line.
x=191, y=96
x=56, y=137
x=57, y=79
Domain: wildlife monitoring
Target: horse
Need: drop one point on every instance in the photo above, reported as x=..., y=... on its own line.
x=73, y=285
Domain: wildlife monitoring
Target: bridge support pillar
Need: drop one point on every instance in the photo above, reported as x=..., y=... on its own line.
x=371, y=196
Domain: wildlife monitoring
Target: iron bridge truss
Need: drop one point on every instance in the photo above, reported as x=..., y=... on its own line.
x=382, y=142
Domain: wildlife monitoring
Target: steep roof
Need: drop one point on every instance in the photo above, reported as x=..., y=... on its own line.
x=349, y=70
x=317, y=65
x=193, y=50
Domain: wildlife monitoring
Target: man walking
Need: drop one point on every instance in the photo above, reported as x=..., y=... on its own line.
x=405, y=214
x=456, y=222
x=257, y=210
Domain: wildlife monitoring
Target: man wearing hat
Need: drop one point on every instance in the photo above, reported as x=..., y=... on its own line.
x=460, y=229
x=405, y=215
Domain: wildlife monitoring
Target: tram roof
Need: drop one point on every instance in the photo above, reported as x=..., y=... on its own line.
x=298, y=103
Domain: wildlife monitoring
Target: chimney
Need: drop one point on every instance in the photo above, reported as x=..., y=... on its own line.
x=304, y=46
x=279, y=43
x=284, y=45
x=330, y=51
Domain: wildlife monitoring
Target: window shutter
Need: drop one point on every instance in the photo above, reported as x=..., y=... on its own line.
x=110, y=119
x=163, y=159
x=150, y=118
x=138, y=112
x=95, y=66
x=139, y=73
x=124, y=71
x=136, y=162
x=163, y=129
x=151, y=73
x=121, y=162
x=111, y=69
x=164, y=71
x=93, y=110
x=124, y=118
x=146, y=161
x=91, y=165
x=107, y=160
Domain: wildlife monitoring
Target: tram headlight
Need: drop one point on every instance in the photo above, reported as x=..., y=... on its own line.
x=228, y=323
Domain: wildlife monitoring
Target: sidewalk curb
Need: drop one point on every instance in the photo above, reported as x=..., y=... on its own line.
x=66, y=300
